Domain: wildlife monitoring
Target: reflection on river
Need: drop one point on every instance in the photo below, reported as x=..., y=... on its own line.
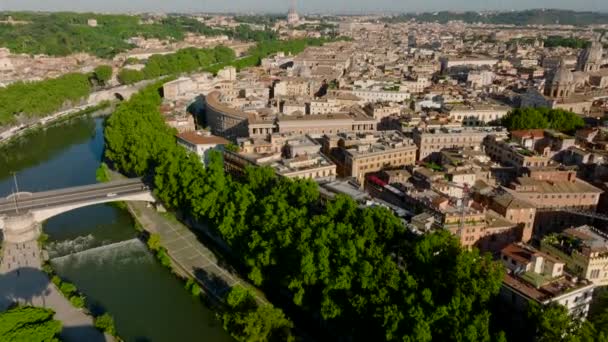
x=112, y=268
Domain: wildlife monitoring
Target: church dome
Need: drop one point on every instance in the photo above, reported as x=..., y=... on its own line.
x=594, y=53
x=562, y=76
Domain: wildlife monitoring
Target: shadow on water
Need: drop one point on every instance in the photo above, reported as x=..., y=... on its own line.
x=44, y=144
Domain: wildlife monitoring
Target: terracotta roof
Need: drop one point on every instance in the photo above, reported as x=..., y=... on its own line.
x=198, y=138
x=536, y=133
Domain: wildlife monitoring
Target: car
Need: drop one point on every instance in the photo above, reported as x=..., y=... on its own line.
x=111, y=194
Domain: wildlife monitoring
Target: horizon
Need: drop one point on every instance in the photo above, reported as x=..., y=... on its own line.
x=311, y=7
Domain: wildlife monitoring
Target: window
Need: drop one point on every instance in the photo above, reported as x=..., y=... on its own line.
x=594, y=274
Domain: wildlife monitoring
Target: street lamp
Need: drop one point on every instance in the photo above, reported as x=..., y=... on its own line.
x=17, y=193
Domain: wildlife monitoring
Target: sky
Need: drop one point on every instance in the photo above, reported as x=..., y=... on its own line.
x=308, y=6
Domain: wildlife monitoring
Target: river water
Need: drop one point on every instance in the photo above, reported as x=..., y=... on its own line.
x=96, y=247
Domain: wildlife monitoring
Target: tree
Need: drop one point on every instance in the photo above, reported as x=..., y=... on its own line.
x=103, y=73
x=542, y=118
x=29, y=324
x=246, y=321
x=105, y=323
x=553, y=323
x=154, y=242
x=130, y=76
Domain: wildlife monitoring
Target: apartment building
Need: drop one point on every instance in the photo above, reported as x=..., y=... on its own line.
x=584, y=249
x=557, y=196
x=536, y=276
x=477, y=114
x=430, y=141
x=291, y=156
x=372, y=96
x=358, y=154
x=201, y=143
x=510, y=153
x=515, y=210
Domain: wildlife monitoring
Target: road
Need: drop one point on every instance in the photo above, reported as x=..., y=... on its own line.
x=27, y=201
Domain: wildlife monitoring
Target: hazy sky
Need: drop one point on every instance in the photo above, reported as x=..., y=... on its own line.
x=324, y=6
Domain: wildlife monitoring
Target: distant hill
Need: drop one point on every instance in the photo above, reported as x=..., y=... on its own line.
x=520, y=18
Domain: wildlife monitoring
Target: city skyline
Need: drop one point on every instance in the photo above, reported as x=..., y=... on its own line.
x=310, y=6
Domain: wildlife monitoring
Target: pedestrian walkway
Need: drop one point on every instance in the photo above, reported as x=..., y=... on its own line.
x=193, y=256
x=23, y=281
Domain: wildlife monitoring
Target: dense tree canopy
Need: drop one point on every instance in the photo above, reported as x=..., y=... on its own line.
x=103, y=74
x=34, y=99
x=552, y=323
x=527, y=17
x=570, y=42
x=60, y=34
x=249, y=322
x=357, y=269
x=29, y=324
x=211, y=60
x=533, y=118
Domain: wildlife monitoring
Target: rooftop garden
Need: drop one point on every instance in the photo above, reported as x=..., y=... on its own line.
x=566, y=244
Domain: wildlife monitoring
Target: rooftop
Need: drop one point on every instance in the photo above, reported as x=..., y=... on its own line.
x=202, y=138
x=555, y=187
x=586, y=240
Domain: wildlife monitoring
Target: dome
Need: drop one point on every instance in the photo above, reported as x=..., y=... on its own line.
x=595, y=52
x=562, y=76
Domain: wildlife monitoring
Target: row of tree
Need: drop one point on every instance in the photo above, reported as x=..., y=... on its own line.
x=542, y=118
x=61, y=34
x=211, y=60
x=520, y=18
x=41, y=98
x=354, y=269
x=183, y=61
x=570, y=42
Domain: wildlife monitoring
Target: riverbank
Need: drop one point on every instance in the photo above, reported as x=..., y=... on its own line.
x=191, y=259
x=23, y=130
x=96, y=101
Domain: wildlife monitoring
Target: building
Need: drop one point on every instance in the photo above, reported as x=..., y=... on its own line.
x=510, y=153
x=515, y=210
x=475, y=62
x=478, y=114
x=201, y=143
x=557, y=196
x=560, y=84
x=430, y=141
x=289, y=155
x=358, y=154
x=367, y=96
x=591, y=58
x=585, y=251
x=224, y=120
x=355, y=120
x=292, y=16
x=536, y=276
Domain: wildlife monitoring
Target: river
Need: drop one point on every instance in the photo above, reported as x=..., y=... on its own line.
x=96, y=247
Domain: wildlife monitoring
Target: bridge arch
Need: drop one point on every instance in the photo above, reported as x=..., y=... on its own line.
x=41, y=215
x=26, y=226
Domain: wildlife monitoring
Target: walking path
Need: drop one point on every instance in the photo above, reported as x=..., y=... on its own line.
x=23, y=281
x=190, y=254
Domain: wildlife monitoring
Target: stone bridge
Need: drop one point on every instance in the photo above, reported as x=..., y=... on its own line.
x=117, y=93
x=21, y=214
